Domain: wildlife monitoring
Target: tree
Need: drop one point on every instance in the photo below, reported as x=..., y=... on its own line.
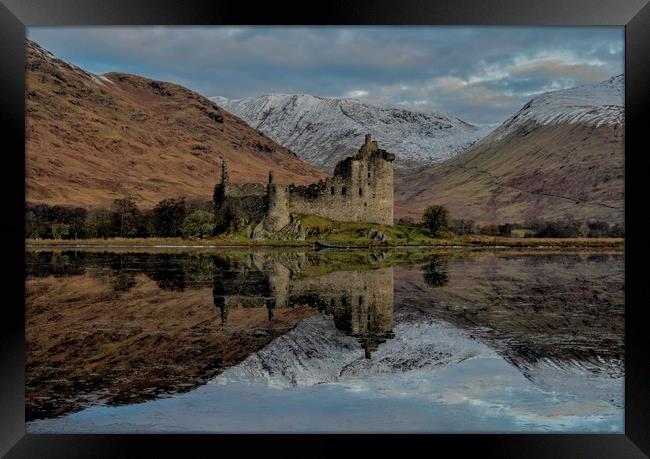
x=435, y=219
x=168, y=216
x=98, y=223
x=125, y=218
x=199, y=223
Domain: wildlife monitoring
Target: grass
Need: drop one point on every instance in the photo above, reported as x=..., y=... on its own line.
x=319, y=228
x=348, y=233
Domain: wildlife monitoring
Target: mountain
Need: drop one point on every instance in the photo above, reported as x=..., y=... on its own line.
x=324, y=130
x=93, y=138
x=561, y=156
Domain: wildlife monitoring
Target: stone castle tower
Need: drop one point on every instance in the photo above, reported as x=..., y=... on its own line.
x=361, y=190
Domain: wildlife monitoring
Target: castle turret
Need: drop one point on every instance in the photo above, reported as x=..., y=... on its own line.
x=369, y=146
x=277, y=201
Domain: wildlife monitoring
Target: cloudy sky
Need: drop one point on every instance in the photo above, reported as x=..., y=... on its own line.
x=480, y=74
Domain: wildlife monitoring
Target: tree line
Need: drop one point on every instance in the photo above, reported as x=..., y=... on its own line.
x=181, y=217
x=173, y=217
x=436, y=220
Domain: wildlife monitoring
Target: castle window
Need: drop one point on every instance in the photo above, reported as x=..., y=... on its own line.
x=360, y=191
x=368, y=174
x=332, y=190
x=344, y=191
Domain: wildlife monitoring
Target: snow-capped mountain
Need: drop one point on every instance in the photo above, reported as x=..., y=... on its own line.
x=595, y=104
x=324, y=130
x=560, y=156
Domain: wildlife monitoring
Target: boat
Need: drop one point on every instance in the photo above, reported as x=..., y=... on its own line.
x=337, y=245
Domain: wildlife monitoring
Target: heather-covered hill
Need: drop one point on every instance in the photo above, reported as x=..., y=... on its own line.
x=561, y=156
x=93, y=138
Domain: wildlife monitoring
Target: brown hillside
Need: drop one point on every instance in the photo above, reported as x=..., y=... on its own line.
x=534, y=172
x=91, y=139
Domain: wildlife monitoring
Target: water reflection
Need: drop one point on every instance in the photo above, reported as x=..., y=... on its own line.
x=360, y=302
x=68, y=312
x=122, y=328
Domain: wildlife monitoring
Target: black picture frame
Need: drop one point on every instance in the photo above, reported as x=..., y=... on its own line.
x=15, y=15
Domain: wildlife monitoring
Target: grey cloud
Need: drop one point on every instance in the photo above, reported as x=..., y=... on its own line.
x=481, y=74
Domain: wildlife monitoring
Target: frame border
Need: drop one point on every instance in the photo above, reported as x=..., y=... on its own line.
x=15, y=15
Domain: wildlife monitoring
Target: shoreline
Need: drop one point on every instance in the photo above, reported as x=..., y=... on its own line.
x=464, y=242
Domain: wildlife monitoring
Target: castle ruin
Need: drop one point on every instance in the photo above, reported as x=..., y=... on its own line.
x=361, y=190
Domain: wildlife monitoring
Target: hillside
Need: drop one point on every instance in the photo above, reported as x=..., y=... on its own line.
x=93, y=138
x=561, y=155
x=324, y=130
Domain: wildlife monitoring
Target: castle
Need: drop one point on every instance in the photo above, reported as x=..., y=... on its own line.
x=361, y=190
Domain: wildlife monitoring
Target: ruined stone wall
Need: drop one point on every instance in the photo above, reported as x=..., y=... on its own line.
x=240, y=203
x=360, y=191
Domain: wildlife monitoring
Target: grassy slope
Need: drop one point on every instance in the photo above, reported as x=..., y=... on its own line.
x=537, y=172
x=93, y=139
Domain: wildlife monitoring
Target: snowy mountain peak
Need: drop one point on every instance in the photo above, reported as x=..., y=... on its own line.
x=595, y=103
x=324, y=130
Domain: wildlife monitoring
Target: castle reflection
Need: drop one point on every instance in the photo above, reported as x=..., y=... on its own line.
x=360, y=301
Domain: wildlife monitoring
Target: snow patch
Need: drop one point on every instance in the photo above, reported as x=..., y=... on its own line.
x=324, y=130
x=594, y=104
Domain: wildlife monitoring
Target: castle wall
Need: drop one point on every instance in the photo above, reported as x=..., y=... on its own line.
x=360, y=191
x=240, y=203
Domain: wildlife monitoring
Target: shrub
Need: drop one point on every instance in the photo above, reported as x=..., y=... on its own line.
x=434, y=219
x=60, y=230
x=617, y=230
x=199, y=223
x=462, y=227
x=489, y=230
x=506, y=230
x=559, y=229
x=407, y=222
x=597, y=228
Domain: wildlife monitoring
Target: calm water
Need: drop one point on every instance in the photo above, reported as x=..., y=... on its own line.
x=324, y=341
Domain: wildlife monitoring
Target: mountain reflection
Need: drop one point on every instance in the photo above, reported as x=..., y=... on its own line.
x=113, y=334
x=121, y=328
